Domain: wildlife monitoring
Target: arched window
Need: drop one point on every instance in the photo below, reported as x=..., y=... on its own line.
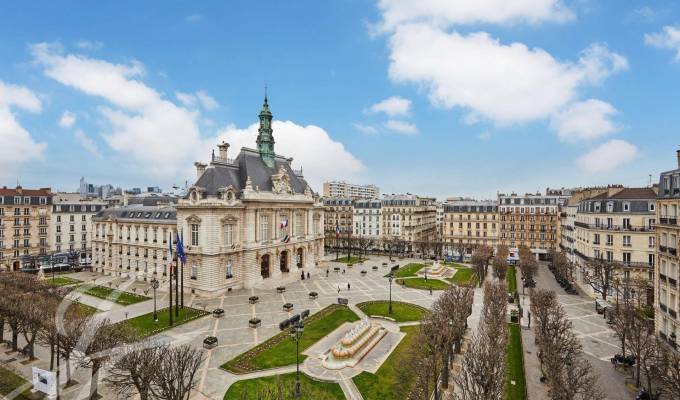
x=230, y=270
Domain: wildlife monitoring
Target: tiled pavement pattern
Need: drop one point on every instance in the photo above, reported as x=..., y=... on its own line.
x=599, y=343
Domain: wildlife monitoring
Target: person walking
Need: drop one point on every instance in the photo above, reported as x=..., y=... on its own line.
x=348, y=286
x=338, y=289
x=308, y=275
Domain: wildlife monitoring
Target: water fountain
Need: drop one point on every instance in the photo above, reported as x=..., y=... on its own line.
x=436, y=271
x=354, y=345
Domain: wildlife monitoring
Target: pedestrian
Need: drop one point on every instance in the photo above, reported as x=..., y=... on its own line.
x=430, y=290
x=348, y=286
x=308, y=275
x=303, y=275
x=338, y=289
x=343, y=270
x=326, y=272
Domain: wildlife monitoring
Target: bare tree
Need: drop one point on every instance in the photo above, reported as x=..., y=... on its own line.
x=135, y=371
x=483, y=370
x=640, y=340
x=668, y=377
x=600, y=274
x=176, y=376
x=500, y=262
x=96, y=347
x=454, y=306
x=480, y=262
x=70, y=333
x=527, y=264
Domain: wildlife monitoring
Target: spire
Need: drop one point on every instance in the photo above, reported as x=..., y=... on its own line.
x=265, y=138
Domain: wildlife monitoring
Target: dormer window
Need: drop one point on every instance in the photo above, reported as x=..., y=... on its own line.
x=610, y=206
x=597, y=207
x=651, y=206
x=626, y=206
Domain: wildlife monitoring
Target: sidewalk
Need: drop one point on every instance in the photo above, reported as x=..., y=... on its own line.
x=532, y=367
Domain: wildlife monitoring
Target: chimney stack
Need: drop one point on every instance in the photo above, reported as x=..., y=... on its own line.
x=200, y=169
x=224, y=148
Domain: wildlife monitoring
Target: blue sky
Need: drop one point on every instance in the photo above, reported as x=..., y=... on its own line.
x=437, y=97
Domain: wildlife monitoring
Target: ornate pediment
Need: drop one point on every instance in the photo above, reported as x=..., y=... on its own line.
x=229, y=219
x=193, y=219
x=281, y=182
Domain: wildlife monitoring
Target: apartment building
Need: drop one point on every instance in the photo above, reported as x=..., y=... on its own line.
x=349, y=190
x=133, y=241
x=668, y=237
x=531, y=220
x=617, y=226
x=468, y=224
x=409, y=218
x=338, y=213
x=25, y=216
x=367, y=218
x=71, y=227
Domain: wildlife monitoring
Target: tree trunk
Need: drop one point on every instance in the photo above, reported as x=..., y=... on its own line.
x=51, y=356
x=2, y=330
x=15, y=340
x=68, y=369
x=94, y=383
x=445, y=374
x=637, y=372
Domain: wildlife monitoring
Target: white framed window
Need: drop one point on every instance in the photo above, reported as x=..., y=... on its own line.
x=264, y=227
x=229, y=230
x=194, y=234
x=229, y=269
x=194, y=270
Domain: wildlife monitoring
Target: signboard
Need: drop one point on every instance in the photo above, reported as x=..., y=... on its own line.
x=44, y=381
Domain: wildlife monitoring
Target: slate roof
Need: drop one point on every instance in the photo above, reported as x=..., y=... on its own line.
x=220, y=174
x=136, y=212
x=628, y=194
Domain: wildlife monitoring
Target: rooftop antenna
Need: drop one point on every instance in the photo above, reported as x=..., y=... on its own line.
x=265, y=91
x=650, y=180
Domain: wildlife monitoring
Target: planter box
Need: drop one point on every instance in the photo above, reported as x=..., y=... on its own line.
x=280, y=289
x=363, y=272
x=254, y=322
x=253, y=299
x=375, y=268
x=210, y=342
x=218, y=313
x=288, y=307
x=313, y=295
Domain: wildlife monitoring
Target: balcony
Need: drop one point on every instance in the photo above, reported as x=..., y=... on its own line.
x=668, y=220
x=663, y=307
x=673, y=282
x=620, y=228
x=662, y=277
x=673, y=251
x=672, y=313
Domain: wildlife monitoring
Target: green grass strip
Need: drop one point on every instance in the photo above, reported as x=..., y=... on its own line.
x=9, y=381
x=401, y=311
x=261, y=388
x=515, y=365
x=408, y=270
x=117, y=296
x=279, y=350
x=144, y=326
x=388, y=382
x=421, y=283
x=511, y=279
x=463, y=276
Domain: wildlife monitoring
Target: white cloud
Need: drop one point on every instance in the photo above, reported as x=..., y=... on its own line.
x=366, y=129
x=503, y=83
x=311, y=147
x=403, y=127
x=207, y=101
x=608, y=156
x=200, y=97
x=87, y=143
x=18, y=146
x=67, y=119
x=668, y=38
x=89, y=45
x=393, y=106
x=193, y=18
x=445, y=13
x=163, y=138
x=585, y=120
x=484, y=135
x=155, y=132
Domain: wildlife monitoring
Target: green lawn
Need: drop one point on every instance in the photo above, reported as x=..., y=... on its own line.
x=511, y=279
x=463, y=276
x=401, y=311
x=279, y=350
x=61, y=281
x=117, y=296
x=388, y=382
x=351, y=260
x=515, y=365
x=408, y=270
x=421, y=283
x=144, y=326
x=87, y=309
x=9, y=381
x=258, y=388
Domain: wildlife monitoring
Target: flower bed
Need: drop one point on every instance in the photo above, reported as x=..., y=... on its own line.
x=288, y=307
x=253, y=299
x=210, y=342
x=218, y=313
x=254, y=322
x=313, y=295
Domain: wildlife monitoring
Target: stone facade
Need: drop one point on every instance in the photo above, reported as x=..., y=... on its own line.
x=409, y=218
x=25, y=216
x=349, y=190
x=667, y=299
x=71, y=228
x=468, y=224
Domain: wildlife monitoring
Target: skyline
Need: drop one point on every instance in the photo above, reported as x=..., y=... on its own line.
x=578, y=93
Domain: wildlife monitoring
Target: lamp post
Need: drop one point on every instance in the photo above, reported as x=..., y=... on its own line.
x=154, y=285
x=296, y=334
x=389, y=311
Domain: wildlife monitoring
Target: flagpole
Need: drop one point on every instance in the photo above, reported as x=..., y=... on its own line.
x=182, y=272
x=177, y=281
x=170, y=280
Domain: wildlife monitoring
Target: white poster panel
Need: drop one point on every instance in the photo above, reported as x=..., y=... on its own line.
x=45, y=381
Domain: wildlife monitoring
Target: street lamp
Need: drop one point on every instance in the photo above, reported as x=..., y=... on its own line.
x=154, y=285
x=296, y=334
x=390, y=277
